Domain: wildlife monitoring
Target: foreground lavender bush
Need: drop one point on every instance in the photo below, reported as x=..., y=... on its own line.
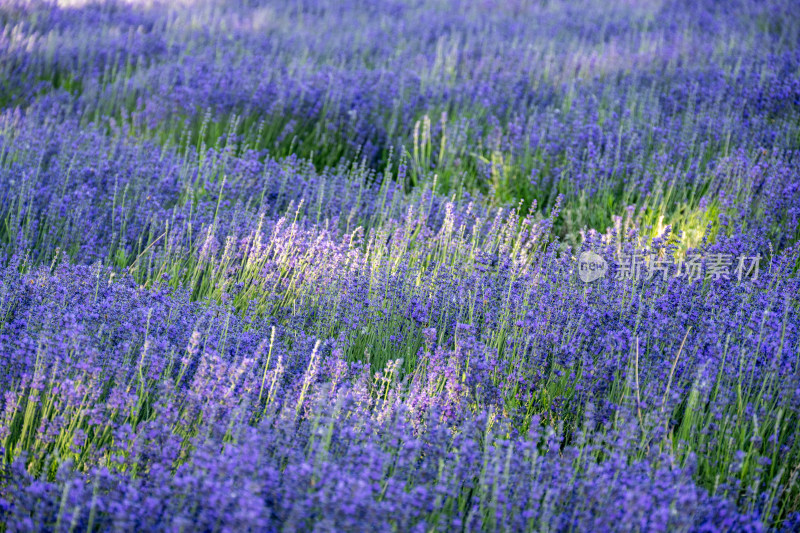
x=322, y=266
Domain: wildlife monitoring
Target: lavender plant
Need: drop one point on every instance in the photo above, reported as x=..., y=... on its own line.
x=322, y=266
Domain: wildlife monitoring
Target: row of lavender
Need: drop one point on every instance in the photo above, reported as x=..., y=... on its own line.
x=618, y=104
x=202, y=328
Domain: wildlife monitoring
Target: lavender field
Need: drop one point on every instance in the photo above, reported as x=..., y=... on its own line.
x=384, y=265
